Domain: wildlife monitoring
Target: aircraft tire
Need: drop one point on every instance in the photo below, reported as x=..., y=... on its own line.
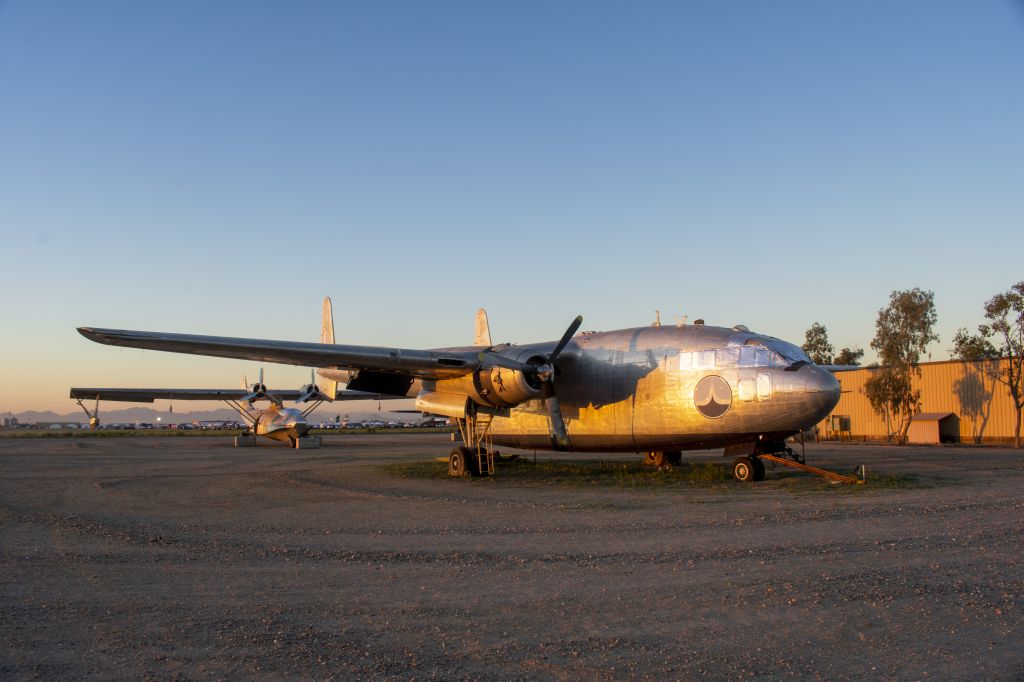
x=654, y=459
x=472, y=461
x=743, y=469
x=759, y=471
x=674, y=457
x=457, y=464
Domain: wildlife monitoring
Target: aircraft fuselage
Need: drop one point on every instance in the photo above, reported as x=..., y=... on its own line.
x=279, y=423
x=650, y=389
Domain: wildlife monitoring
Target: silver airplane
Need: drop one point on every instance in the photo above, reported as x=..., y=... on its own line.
x=656, y=390
x=276, y=422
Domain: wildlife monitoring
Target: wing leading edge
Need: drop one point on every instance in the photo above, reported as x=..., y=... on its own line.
x=424, y=364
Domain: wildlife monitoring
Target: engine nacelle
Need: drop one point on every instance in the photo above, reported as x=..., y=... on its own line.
x=496, y=386
x=501, y=387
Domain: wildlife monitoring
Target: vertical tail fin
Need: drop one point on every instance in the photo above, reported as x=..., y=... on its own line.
x=328, y=387
x=327, y=322
x=482, y=335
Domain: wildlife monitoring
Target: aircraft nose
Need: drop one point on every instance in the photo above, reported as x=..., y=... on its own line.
x=296, y=422
x=823, y=387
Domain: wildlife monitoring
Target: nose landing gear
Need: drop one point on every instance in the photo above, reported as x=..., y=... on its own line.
x=748, y=469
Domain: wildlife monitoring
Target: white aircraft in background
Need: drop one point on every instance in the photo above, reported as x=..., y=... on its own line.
x=275, y=421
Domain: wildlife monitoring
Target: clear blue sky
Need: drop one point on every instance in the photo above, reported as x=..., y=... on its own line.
x=220, y=167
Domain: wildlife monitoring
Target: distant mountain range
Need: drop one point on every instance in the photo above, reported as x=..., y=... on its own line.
x=133, y=415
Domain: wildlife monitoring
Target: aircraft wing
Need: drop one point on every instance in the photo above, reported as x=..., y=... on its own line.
x=148, y=395
x=840, y=368
x=423, y=364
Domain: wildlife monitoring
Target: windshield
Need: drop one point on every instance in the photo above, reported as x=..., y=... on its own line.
x=757, y=351
x=787, y=350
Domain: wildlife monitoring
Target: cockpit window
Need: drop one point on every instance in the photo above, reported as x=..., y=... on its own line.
x=708, y=359
x=767, y=352
x=755, y=356
x=787, y=350
x=727, y=357
x=756, y=352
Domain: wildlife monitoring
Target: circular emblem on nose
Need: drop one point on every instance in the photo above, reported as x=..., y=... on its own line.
x=712, y=396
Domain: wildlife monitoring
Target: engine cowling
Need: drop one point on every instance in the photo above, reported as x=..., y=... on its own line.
x=502, y=387
x=495, y=386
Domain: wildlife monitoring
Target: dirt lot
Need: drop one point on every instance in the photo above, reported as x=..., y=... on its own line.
x=142, y=558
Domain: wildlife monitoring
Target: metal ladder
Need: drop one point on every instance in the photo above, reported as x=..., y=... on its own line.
x=483, y=442
x=475, y=429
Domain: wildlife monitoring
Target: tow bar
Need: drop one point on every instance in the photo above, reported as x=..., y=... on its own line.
x=830, y=475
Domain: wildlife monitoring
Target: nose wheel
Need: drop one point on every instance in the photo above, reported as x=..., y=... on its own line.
x=748, y=469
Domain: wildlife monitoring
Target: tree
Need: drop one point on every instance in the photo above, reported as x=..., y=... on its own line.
x=817, y=345
x=891, y=393
x=849, y=356
x=902, y=332
x=1005, y=313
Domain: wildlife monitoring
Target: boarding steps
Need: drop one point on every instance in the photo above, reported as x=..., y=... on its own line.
x=483, y=444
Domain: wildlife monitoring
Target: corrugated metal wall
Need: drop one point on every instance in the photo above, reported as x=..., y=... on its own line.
x=982, y=404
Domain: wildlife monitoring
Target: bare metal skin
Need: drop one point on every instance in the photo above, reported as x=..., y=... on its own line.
x=643, y=389
x=635, y=390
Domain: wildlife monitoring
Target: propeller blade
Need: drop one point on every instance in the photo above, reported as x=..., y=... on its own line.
x=310, y=392
x=546, y=372
x=489, y=359
x=559, y=436
x=566, y=338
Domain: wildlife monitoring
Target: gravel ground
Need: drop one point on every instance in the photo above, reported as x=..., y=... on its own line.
x=168, y=558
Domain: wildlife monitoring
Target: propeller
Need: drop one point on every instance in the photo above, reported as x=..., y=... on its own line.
x=258, y=390
x=545, y=373
x=542, y=373
x=311, y=391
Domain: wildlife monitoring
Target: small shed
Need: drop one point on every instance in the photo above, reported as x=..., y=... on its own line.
x=934, y=427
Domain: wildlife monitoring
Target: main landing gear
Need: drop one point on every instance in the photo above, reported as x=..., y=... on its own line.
x=477, y=456
x=466, y=461
x=663, y=458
